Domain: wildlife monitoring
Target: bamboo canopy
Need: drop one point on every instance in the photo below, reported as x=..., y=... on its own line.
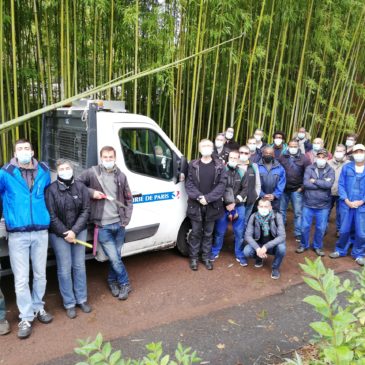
x=295, y=63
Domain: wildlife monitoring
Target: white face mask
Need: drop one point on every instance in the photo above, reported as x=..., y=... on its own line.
x=293, y=150
x=218, y=143
x=252, y=147
x=244, y=158
x=263, y=211
x=316, y=146
x=258, y=137
x=108, y=164
x=321, y=163
x=301, y=135
x=339, y=155
x=278, y=141
x=229, y=135
x=359, y=157
x=232, y=164
x=349, y=142
x=206, y=151
x=24, y=157
x=66, y=174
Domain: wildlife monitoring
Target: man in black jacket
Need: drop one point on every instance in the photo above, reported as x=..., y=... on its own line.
x=230, y=144
x=234, y=198
x=107, y=184
x=294, y=163
x=205, y=186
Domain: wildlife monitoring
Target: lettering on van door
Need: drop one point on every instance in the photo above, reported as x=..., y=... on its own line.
x=150, y=198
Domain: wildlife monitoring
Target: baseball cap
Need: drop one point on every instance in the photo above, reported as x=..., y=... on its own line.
x=358, y=146
x=322, y=151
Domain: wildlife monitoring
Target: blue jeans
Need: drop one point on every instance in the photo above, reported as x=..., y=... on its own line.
x=248, y=212
x=296, y=199
x=336, y=202
x=321, y=217
x=111, y=238
x=2, y=306
x=22, y=246
x=221, y=227
x=278, y=251
x=71, y=269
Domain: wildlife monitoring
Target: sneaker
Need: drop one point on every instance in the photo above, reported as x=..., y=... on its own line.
x=44, y=317
x=242, y=261
x=301, y=249
x=275, y=274
x=298, y=239
x=114, y=288
x=85, y=307
x=360, y=261
x=259, y=263
x=319, y=252
x=71, y=312
x=213, y=257
x=25, y=329
x=4, y=327
x=124, y=291
x=334, y=255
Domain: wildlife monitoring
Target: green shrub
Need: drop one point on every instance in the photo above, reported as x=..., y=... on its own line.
x=98, y=353
x=341, y=330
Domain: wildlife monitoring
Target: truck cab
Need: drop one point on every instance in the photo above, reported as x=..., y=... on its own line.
x=153, y=165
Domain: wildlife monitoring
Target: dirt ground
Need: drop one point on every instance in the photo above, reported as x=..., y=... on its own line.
x=164, y=290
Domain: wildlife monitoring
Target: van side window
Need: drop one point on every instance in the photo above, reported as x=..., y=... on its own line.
x=145, y=152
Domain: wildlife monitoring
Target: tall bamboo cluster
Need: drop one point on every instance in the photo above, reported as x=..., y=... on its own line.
x=298, y=63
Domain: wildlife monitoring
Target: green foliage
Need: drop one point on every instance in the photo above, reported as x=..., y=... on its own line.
x=341, y=330
x=99, y=353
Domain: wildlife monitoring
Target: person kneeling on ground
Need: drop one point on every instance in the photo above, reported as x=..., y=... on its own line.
x=68, y=204
x=265, y=235
x=234, y=197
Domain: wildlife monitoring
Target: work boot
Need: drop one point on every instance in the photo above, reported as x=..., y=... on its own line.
x=114, y=288
x=4, y=327
x=71, y=312
x=44, y=317
x=124, y=291
x=85, y=307
x=194, y=264
x=25, y=329
x=208, y=264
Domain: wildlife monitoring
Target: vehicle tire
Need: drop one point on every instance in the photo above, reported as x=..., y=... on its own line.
x=183, y=236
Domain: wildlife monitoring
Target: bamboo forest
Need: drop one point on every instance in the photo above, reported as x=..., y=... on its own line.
x=272, y=64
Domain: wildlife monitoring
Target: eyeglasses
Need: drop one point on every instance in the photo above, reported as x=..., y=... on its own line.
x=244, y=153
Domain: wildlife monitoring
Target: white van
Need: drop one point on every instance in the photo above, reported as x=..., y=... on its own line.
x=153, y=165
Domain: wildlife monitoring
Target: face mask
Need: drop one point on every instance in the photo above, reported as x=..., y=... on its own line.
x=263, y=211
x=267, y=159
x=24, y=157
x=316, y=146
x=293, y=150
x=66, y=174
x=252, y=147
x=232, y=164
x=244, y=158
x=278, y=141
x=301, y=135
x=321, y=163
x=339, y=156
x=359, y=157
x=108, y=164
x=219, y=144
x=258, y=137
x=229, y=135
x=349, y=142
x=206, y=151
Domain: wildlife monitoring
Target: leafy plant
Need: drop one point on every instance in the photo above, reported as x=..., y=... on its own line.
x=341, y=330
x=99, y=353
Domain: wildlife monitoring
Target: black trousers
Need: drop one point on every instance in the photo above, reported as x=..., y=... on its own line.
x=201, y=237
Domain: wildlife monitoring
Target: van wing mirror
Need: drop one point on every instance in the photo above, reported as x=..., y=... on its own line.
x=181, y=168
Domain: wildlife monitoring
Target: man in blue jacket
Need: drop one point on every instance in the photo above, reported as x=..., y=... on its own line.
x=351, y=188
x=272, y=176
x=22, y=185
x=318, y=180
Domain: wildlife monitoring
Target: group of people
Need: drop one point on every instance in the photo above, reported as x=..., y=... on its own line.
x=251, y=186
x=37, y=211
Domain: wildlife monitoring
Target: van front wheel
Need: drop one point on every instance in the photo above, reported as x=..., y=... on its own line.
x=183, y=236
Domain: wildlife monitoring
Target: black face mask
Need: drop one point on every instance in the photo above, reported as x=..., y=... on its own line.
x=268, y=159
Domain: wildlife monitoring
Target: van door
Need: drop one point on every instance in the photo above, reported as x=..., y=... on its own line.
x=158, y=210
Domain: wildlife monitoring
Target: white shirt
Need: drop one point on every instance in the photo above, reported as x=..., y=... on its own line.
x=359, y=169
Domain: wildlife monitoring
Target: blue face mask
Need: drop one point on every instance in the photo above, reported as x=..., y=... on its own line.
x=108, y=164
x=24, y=157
